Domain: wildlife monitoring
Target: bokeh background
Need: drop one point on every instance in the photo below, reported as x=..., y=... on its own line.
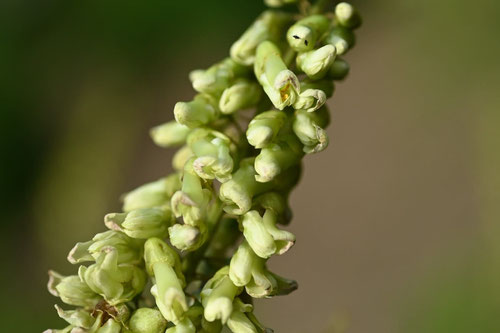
x=398, y=222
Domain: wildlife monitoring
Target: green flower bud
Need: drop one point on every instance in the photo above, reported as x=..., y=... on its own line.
x=72, y=290
x=339, y=69
x=169, y=134
x=212, y=150
x=278, y=3
x=316, y=63
x=185, y=237
x=141, y=223
x=218, y=77
x=241, y=95
x=79, y=318
x=237, y=193
x=192, y=202
x=203, y=109
x=184, y=326
x=268, y=26
x=163, y=263
x=110, y=326
x=309, y=128
x=242, y=319
x=263, y=236
x=275, y=202
x=310, y=100
x=129, y=250
x=280, y=84
x=264, y=128
x=347, y=15
x=325, y=85
x=343, y=39
x=218, y=295
x=152, y=194
x=181, y=157
x=276, y=157
x=117, y=283
x=146, y=320
x=303, y=35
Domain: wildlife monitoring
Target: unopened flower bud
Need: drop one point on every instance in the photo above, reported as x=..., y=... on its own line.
x=342, y=38
x=237, y=193
x=241, y=95
x=268, y=26
x=185, y=237
x=110, y=326
x=169, y=134
x=218, y=295
x=146, y=320
x=309, y=128
x=181, y=157
x=203, y=109
x=141, y=223
x=303, y=35
x=347, y=15
x=242, y=319
x=218, y=77
x=163, y=263
x=280, y=84
x=152, y=194
x=72, y=290
x=276, y=157
x=338, y=70
x=315, y=63
x=183, y=326
x=264, y=128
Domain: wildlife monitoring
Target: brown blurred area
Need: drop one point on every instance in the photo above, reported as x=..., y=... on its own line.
x=396, y=222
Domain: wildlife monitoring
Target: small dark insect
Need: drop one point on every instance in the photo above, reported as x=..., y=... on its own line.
x=296, y=37
x=306, y=42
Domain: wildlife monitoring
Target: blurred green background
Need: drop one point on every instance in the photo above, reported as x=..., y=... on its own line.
x=398, y=222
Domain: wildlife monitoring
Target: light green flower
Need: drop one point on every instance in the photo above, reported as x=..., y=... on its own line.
x=310, y=100
x=202, y=110
x=309, y=128
x=181, y=157
x=77, y=318
x=315, y=63
x=276, y=157
x=280, y=84
x=338, y=70
x=141, y=223
x=347, y=15
x=268, y=26
x=152, y=194
x=185, y=237
x=169, y=134
x=264, y=128
x=117, y=283
x=237, y=193
x=163, y=263
x=342, y=38
x=212, y=150
x=147, y=320
x=218, y=295
x=303, y=35
x=129, y=250
x=263, y=236
x=278, y=3
x=110, y=326
x=243, y=94
x=218, y=77
x=242, y=319
x=72, y=290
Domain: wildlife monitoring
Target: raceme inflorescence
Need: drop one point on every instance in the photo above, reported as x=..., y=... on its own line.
x=188, y=252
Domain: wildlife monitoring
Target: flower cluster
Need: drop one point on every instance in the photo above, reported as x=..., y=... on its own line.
x=189, y=251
